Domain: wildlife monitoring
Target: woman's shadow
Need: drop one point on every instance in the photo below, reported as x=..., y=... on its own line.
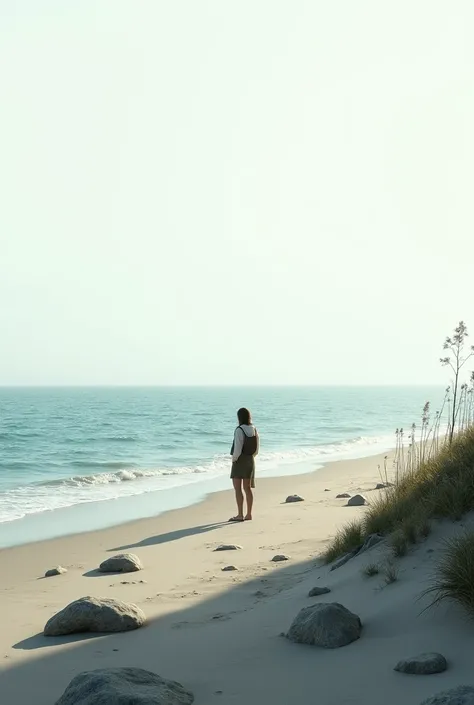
x=171, y=536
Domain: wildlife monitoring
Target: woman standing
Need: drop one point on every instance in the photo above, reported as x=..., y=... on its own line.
x=244, y=449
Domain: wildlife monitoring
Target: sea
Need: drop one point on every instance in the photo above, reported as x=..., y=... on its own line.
x=80, y=459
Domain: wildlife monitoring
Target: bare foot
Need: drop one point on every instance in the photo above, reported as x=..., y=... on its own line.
x=248, y=517
x=237, y=518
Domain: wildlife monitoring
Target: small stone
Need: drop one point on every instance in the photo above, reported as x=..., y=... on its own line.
x=229, y=567
x=120, y=685
x=329, y=625
x=59, y=570
x=280, y=557
x=383, y=485
x=462, y=695
x=228, y=547
x=121, y=563
x=358, y=500
x=314, y=592
x=293, y=498
x=326, y=490
x=344, y=495
x=423, y=665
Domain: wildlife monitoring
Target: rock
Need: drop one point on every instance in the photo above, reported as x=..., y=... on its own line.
x=280, y=557
x=462, y=695
x=358, y=500
x=314, y=592
x=329, y=625
x=293, y=498
x=327, y=490
x=383, y=485
x=95, y=614
x=228, y=547
x=229, y=567
x=344, y=495
x=123, y=686
x=344, y=559
x=121, y=563
x=371, y=541
x=423, y=665
x=59, y=570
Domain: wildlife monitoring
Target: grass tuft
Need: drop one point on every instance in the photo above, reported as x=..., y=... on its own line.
x=370, y=570
x=454, y=577
x=390, y=573
x=398, y=543
x=347, y=539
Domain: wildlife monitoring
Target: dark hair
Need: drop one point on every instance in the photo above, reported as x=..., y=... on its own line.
x=244, y=417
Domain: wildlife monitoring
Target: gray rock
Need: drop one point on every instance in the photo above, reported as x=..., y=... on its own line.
x=59, y=570
x=229, y=567
x=121, y=563
x=383, y=485
x=423, y=665
x=358, y=500
x=95, y=614
x=293, y=498
x=280, y=557
x=123, y=686
x=344, y=559
x=344, y=495
x=462, y=695
x=369, y=543
x=314, y=592
x=228, y=547
x=328, y=625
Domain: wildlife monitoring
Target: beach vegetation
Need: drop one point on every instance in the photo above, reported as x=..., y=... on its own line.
x=454, y=576
x=433, y=468
x=370, y=570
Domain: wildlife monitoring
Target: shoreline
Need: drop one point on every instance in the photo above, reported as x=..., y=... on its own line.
x=143, y=506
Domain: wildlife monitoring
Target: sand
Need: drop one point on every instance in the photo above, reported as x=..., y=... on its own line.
x=219, y=633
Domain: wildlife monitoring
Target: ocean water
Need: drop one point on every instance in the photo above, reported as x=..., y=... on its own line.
x=75, y=459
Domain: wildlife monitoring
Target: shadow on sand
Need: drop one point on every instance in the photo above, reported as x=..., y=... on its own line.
x=170, y=536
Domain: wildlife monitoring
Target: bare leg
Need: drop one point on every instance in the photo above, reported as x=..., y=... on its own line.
x=249, y=498
x=239, y=497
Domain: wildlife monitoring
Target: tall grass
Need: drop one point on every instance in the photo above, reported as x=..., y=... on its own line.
x=440, y=487
x=454, y=578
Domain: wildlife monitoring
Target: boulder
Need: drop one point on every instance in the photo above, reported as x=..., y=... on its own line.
x=462, y=695
x=59, y=570
x=280, y=557
x=121, y=563
x=95, y=614
x=229, y=567
x=123, y=686
x=358, y=500
x=423, y=665
x=314, y=592
x=228, y=547
x=344, y=495
x=329, y=625
x=293, y=498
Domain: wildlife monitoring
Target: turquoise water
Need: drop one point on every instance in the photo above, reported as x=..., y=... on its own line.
x=105, y=449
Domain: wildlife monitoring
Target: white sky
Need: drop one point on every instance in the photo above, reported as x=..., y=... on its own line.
x=228, y=192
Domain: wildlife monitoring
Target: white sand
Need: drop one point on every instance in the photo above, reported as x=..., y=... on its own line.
x=218, y=632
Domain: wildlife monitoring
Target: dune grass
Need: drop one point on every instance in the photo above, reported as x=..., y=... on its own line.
x=454, y=577
x=441, y=487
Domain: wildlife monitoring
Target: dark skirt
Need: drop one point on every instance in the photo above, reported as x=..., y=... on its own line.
x=243, y=468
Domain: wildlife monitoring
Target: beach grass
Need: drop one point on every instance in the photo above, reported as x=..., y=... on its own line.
x=437, y=488
x=454, y=576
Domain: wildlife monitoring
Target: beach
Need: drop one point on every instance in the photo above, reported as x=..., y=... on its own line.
x=218, y=633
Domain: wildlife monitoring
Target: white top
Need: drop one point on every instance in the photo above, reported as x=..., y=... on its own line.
x=249, y=431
